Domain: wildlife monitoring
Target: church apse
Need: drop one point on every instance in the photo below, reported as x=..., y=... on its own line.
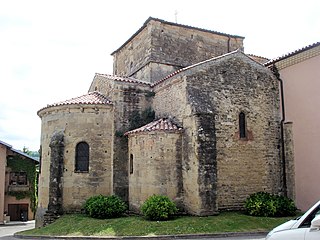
x=222, y=106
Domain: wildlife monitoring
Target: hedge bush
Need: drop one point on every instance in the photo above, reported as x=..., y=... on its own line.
x=159, y=207
x=104, y=207
x=264, y=204
x=285, y=206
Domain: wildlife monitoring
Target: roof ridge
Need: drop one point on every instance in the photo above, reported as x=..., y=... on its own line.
x=161, y=124
x=123, y=78
x=191, y=27
x=6, y=144
x=254, y=55
x=194, y=65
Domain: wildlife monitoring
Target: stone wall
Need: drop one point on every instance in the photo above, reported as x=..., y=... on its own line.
x=92, y=124
x=156, y=169
x=289, y=159
x=171, y=100
x=155, y=71
x=228, y=86
x=160, y=48
x=182, y=46
x=134, y=55
x=128, y=97
x=207, y=100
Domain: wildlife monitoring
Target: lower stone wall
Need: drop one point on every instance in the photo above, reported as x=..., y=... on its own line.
x=190, y=167
x=155, y=167
x=120, y=167
x=79, y=123
x=289, y=158
x=207, y=157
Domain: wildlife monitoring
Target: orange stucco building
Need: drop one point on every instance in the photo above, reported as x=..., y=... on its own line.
x=15, y=185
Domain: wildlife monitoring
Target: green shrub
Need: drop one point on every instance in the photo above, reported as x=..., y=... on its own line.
x=104, y=206
x=285, y=206
x=158, y=207
x=268, y=205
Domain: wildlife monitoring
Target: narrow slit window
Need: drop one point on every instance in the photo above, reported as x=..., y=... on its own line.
x=131, y=163
x=242, y=125
x=82, y=157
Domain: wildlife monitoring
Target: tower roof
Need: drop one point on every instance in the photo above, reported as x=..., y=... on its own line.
x=162, y=124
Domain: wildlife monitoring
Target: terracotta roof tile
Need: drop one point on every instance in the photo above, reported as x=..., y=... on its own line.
x=123, y=79
x=89, y=98
x=163, y=124
x=287, y=55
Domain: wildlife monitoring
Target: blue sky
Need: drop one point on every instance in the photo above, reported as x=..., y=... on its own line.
x=50, y=50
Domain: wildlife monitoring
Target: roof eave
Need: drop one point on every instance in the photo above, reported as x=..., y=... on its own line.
x=72, y=105
x=291, y=54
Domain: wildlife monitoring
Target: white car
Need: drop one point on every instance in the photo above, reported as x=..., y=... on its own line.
x=306, y=227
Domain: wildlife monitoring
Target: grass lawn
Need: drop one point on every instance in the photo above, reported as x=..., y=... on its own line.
x=81, y=225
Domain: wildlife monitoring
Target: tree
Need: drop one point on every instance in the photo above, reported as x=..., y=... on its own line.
x=34, y=154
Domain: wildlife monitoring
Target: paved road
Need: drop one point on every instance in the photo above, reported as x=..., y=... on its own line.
x=7, y=231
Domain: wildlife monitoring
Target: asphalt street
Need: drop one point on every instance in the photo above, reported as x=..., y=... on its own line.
x=7, y=231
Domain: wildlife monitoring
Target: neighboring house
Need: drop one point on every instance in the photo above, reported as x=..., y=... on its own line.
x=17, y=184
x=214, y=141
x=300, y=72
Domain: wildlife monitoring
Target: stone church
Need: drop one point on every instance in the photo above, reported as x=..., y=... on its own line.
x=186, y=114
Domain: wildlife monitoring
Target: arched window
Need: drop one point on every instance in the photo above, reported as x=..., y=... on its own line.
x=82, y=157
x=242, y=125
x=131, y=163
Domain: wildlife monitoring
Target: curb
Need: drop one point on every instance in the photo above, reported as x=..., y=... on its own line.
x=160, y=237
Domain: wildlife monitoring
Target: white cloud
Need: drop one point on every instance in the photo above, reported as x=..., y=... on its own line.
x=50, y=50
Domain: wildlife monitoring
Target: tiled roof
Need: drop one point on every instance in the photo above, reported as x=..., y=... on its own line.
x=123, y=79
x=259, y=59
x=18, y=151
x=89, y=98
x=174, y=24
x=287, y=55
x=5, y=144
x=24, y=154
x=163, y=124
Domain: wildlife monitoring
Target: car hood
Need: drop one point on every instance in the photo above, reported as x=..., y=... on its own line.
x=284, y=226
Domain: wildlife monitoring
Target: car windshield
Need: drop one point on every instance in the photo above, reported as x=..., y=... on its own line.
x=307, y=222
